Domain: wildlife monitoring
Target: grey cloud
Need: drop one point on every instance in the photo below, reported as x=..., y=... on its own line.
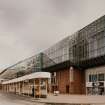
x=30, y=26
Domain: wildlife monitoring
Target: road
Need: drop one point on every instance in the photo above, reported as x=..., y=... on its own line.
x=9, y=99
x=12, y=99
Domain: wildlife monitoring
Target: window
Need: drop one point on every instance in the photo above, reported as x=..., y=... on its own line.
x=100, y=77
x=71, y=71
x=90, y=78
x=93, y=78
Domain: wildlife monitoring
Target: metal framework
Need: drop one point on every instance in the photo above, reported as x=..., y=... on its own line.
x=85, y=48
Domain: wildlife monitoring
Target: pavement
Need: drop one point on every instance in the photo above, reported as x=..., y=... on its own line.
x=13, y=99
x=75, y=99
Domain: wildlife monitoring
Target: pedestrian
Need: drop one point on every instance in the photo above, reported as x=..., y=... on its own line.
x=33, y=91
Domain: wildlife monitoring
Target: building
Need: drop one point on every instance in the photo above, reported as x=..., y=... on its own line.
x=76, y=63
x=84, y=52
x=34, y=84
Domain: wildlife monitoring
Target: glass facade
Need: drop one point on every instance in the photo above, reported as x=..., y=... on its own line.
x=101, y=77
x=87, y=43
x=57, y=53
x=96, y=82
x=93, y=78
x=27, y=66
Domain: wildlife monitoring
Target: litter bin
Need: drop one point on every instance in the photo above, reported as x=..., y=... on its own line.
x=56, y=93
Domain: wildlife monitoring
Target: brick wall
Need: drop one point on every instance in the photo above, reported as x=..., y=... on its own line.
x=62, y=80
x=77, y=86
x=0, y=87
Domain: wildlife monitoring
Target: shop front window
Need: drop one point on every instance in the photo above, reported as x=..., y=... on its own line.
x=93, y=78
x=100, y=77
x=90, y=78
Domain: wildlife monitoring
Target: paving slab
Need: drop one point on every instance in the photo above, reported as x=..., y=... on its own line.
x=10, y=99
x=74, y=99
x=53, y=100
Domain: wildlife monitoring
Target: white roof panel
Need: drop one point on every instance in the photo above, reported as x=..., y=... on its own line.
x=28, y=77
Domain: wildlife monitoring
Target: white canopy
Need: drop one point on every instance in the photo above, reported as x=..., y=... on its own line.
x=28, y=77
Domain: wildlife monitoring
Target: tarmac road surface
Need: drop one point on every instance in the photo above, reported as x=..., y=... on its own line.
x=6, y=99
x=13, y=99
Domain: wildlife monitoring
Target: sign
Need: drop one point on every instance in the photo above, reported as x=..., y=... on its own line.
x=71, y=74
x=89, y=84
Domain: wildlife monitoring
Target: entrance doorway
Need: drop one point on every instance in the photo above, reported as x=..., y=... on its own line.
x=54, y=88
x=67, y=89
x=101, y=90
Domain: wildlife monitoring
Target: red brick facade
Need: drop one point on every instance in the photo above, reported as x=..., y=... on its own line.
x=64, y=85
x=0, y=87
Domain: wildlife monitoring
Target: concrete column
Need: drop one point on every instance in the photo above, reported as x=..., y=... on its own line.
x=7, y=88
x=2, y=88
x=12, y=88
x=28, y=87
x=46, y=86
x=23, y=88
x=39, y=88
x=15, y=88
x=19, y=88
x=34, y=88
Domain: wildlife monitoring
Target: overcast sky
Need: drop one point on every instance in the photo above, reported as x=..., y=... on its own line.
x=30, y=26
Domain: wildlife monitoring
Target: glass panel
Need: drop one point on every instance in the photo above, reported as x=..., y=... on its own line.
x=100, y=77
x=94, y=78
x=90, y=78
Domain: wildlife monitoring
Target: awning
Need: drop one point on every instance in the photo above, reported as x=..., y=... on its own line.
x=28, y=77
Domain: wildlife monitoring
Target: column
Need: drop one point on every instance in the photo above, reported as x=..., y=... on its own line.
x=28, y=87
x=23, y=88
x=19, y=88
x=34, y=88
